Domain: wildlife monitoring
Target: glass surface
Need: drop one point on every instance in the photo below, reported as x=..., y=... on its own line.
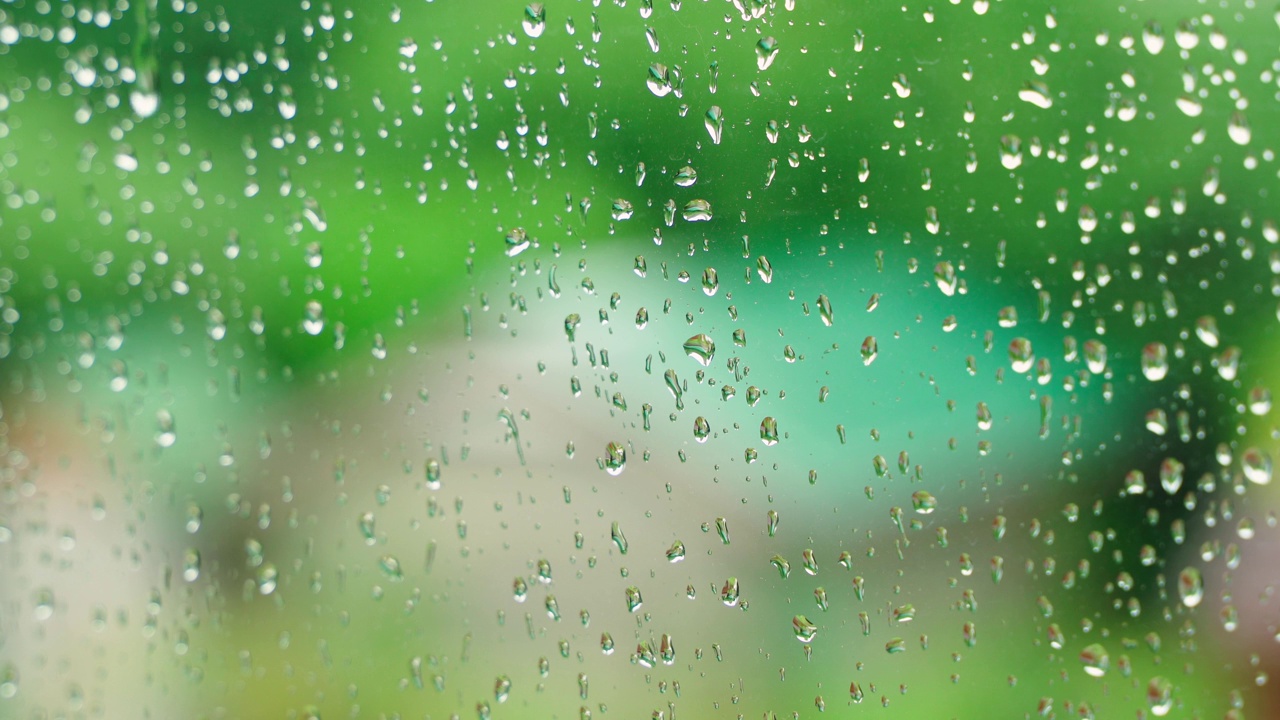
x=638, y=358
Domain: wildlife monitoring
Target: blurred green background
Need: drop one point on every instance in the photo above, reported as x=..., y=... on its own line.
x=324, y=328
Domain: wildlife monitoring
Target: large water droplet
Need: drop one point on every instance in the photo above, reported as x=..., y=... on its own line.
x=1155, y=361
x=1238, y=129
x=1160, y=696
x=923, y=502
x=658, y=79
x=1021, y=355
x=701, y=348
x=715, y=124
x=1095, y=660
x=824, y=309
x=697, y=210
x=766, y=51
x=805, y=630
x=535, y=20
x=870, y=349
x=1256, y=465
x=1190, y=587
x=1036, y=93
x=615, y=458
x=769, y=431
x=944, y=274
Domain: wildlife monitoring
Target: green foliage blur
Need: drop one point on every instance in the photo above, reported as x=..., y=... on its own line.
x=290, y=412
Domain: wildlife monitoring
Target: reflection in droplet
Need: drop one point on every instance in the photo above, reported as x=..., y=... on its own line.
x=1095, y=660
x=1190, y=587
x=701, y=348
x=535, y=20
x=715, y=124
x=766, y=51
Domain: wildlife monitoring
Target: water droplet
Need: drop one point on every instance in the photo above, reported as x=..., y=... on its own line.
x=766, y=51
x=805, y=631
x=855, y=692
x=1010, y=152
x=1155, y=361
x=1036, y=93
x=634, y=600
x=1190, y=587
x=673, y=385
x=869, y=350
x=1256, y=465
x=764, y=269
x=769, y=431
x=144, y=102
x=659, y=80
x=722, y=529
x=621, y=210
x=781, y=565
x=730, y=593
x=675, y=553
x=313, y=317
x=824, y=309
x=615, y=458
x=686, y=176
x=701, y=348
x=535, y=20
x=697, y=210
x=809, y=561
x=1095, y=356
x=520, y=590
x=1095, y=660
x=944, y=274
x=1021, y=355
x=715, y=124
x=191, y=565
x=1259, y=401
x=902, y=86
x=923, y=502
x=517, y=241
x=701, y=429
x=267, y=578
x=651, y=37
x=1160, y=696
x=1153, y=37
x=1207, y=331
x=1171, y=475
x=390, y=567
x=1238, y=129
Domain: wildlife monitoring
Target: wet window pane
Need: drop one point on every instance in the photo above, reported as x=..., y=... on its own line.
x=638, y=358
